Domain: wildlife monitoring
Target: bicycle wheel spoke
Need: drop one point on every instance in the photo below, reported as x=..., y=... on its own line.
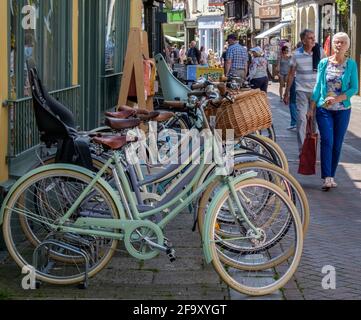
x=30, y=223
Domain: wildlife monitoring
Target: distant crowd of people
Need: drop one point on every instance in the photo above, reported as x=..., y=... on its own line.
x=191, y=56
x=238, y=62
x=316, y=87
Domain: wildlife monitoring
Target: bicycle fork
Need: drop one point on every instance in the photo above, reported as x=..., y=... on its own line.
x=236, y=211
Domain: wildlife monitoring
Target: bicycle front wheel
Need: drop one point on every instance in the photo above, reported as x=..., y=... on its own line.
x=33, y=210
x=281, y=232
x=269, y=133
x=265, y=147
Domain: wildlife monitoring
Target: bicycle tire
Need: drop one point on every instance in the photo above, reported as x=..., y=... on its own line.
x=299, y=197
x=232, y=277
x=11, y=235
x=272, y=148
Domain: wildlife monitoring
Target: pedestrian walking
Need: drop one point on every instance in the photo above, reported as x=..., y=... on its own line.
x=182, y=55
x=173, y=57
x=283, y=66
x=204, y=56
x=224, y=57
x=304, y=64
x=337, y=82
x=194, y=53
x=292, y=100
x=236, y=59
x=176, y=53
x=167, y=52
x=258, y=70
x=293, y=106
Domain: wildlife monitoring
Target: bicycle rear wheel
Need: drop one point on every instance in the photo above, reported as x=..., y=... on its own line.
x=31, y=215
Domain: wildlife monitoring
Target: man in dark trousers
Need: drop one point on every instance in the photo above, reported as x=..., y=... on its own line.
x=193, y=53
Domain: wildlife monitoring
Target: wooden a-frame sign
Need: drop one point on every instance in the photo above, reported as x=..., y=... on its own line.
x=137, y=50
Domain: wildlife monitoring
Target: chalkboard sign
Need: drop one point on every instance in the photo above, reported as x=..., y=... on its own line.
x=180, y=70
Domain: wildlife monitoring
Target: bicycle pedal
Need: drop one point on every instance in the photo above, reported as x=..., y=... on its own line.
x=167, y=243
x=171, y=255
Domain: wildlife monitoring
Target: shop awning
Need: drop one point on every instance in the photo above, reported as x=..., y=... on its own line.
x=273, y=30
x=174, y=39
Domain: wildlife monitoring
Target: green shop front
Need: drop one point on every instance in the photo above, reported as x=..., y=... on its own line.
x=78, y=47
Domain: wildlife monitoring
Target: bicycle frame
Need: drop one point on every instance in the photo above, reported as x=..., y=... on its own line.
x=133, y=218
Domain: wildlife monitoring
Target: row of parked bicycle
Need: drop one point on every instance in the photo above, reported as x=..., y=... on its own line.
x=66, y=220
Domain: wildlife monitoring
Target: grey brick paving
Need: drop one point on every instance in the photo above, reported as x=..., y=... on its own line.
x=126, y=278
x=334, y=234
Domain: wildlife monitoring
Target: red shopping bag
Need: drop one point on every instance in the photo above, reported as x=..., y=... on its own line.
x=308, y=154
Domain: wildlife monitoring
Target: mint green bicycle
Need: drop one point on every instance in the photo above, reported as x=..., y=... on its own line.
x=66, y=222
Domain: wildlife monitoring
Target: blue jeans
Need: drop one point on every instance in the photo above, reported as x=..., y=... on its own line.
x=332, y=126
x=292, y=105
x=293, y=112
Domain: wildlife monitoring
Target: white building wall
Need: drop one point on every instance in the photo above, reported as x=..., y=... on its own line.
x=210, y=33
x=301, y=24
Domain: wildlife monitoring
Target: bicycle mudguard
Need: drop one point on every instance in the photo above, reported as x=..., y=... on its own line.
x=50, y=167
x=207, y=221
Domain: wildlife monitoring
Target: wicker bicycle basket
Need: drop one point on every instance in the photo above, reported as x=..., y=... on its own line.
x=249, y=112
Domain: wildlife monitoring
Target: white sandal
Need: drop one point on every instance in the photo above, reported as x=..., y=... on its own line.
x=333, y=183
x=327, y=183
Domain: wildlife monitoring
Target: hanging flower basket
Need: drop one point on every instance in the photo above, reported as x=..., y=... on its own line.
x=240, y=29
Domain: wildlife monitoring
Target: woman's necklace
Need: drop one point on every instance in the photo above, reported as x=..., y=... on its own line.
x=338, y=61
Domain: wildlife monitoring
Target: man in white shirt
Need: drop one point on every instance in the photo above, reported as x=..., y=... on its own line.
x=302, y=65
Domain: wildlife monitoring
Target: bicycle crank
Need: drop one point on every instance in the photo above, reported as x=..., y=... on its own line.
x=144, y=240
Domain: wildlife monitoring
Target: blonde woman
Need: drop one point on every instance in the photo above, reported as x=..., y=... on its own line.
x=258, y=70
x=337, y=82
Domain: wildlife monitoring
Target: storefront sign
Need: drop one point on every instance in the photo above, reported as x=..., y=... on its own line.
x=327, y=19
x=288, y=14
x=284, y=2
x=178, y=5
x=194, y=72
x=210, y=23
x=212, y=74
x=269, y=12
x=268, y=2
x=215, y=2
x=190, y=23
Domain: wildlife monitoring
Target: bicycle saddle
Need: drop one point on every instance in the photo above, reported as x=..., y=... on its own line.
x=138, y=110
x=112, y=142
x=164, y=116
x=121, y=124
x=121, y=114
x=148, y=117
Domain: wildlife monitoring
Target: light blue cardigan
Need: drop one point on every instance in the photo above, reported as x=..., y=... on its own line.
x=349, y=82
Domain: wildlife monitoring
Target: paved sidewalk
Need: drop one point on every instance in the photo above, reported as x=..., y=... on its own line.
x=127, y=278
x=334, y=234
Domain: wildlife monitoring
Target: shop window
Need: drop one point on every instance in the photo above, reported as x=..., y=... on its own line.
x=47, y=42
x=110, y=35
x=211, y=39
